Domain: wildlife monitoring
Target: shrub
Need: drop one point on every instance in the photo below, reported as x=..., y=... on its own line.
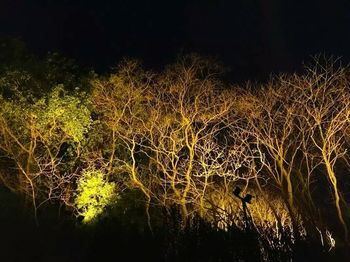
x=94, y=194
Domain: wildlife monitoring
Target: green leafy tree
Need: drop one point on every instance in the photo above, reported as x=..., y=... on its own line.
x=42, y=142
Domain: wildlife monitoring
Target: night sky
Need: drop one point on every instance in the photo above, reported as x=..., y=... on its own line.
x=251, y=37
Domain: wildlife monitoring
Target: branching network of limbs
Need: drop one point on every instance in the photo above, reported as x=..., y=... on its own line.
x=183, y=137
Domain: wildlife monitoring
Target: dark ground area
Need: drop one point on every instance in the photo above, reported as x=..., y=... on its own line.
x=114, y=239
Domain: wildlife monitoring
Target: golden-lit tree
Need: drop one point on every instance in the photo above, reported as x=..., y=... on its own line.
x=121, y=103
x=324, y=107
x=301, y=135
x=270, y=121
x=188, y=115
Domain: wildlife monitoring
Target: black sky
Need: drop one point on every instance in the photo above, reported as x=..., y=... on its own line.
x=252, y=37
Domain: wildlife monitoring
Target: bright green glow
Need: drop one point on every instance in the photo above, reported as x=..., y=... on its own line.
x=65, y=113
x=94, y=194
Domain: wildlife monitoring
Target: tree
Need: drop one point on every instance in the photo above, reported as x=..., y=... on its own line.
x=42, y=139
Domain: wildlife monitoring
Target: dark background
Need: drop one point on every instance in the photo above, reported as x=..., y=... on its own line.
x=251, y=37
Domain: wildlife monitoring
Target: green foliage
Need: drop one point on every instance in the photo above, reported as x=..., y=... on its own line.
x=94, y=194
x=60, y=112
